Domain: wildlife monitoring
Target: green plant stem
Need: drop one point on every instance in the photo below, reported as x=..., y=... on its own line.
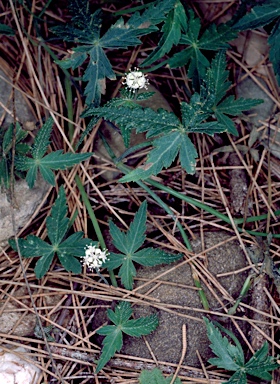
x=69, y=101
x=94, y=222
x=80, y=184
x=213, y=211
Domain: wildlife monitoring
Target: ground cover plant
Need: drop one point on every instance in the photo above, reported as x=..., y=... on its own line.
x=85, y=65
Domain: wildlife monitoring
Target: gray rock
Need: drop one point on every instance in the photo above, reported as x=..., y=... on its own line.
x=23, y=112
x=27, y=201
x=166, y=340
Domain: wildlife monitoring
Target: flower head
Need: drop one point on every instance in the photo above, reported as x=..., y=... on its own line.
x=135, y=80
x=94, y=257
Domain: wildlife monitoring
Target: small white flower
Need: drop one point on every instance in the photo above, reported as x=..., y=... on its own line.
x=135, y=80
x=94, y=257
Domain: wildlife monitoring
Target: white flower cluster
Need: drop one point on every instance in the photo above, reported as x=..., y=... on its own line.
x=94, y=257
x=135, y=80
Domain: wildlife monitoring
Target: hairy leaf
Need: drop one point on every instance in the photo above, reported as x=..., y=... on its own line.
x=260, y=364
x=155, y=376
x=164, y=152
x=45, y=164
x=143, y=119
x=259, y=16
x=129, y=243
x=216, y=84
x=175, y=22
x=85, y=30
x=214, y=38
x=114, y=333
x=67, y=250
x=57, y=222
x=226, y=352
x=231, y=357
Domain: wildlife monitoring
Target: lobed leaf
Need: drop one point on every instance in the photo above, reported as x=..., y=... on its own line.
x=155, y=376
x=43, y=264
x=57, y=222
x=141, y=327
x=129, y=243
x=259, y=16
x=67, y=250
x=42, y=140
x=149, y=257
x=32, y=246
x=122, y=313
x=175, y=22
x=114, y=339
x=111, y=344
x=226, y=352
x=135, y=236
x=260, y=364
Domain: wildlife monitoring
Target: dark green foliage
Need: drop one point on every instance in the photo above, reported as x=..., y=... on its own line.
x=122, y=324
x=85, y=30
x=67, y=250
x=6, y=152
x=231, y=356
x=259, y=16
x=6, y=30
x=155, y=376
x=175, y=23
x=129, y=243
x=213, y=39
x=171, y=136
x=45, y=164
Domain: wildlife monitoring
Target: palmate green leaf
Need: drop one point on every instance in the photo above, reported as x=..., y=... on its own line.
x=135, y=236
x=57, y=222
x=214, y=38
x=194, y=113
x=176, y=21
x=227, y=353
x=231, y=357
x=259, y=16
x=233, y=107
x=85, y=30
x=216, y=84
x=155, y=13
x=42, y=140
x=140, y=327
x=238, y=377
x=165, y=150
x=45, y=164
x=162, y=155
x=260, y=364
x=8, y=137
x=67, y=250
x=114, y=333
x=122, y=313
x=219, y=75
x=32, y=246
x=155, y=376
x=6, y=30
x=111, y=344
x=129, y=243
x=143, y=119
x=150, y=257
